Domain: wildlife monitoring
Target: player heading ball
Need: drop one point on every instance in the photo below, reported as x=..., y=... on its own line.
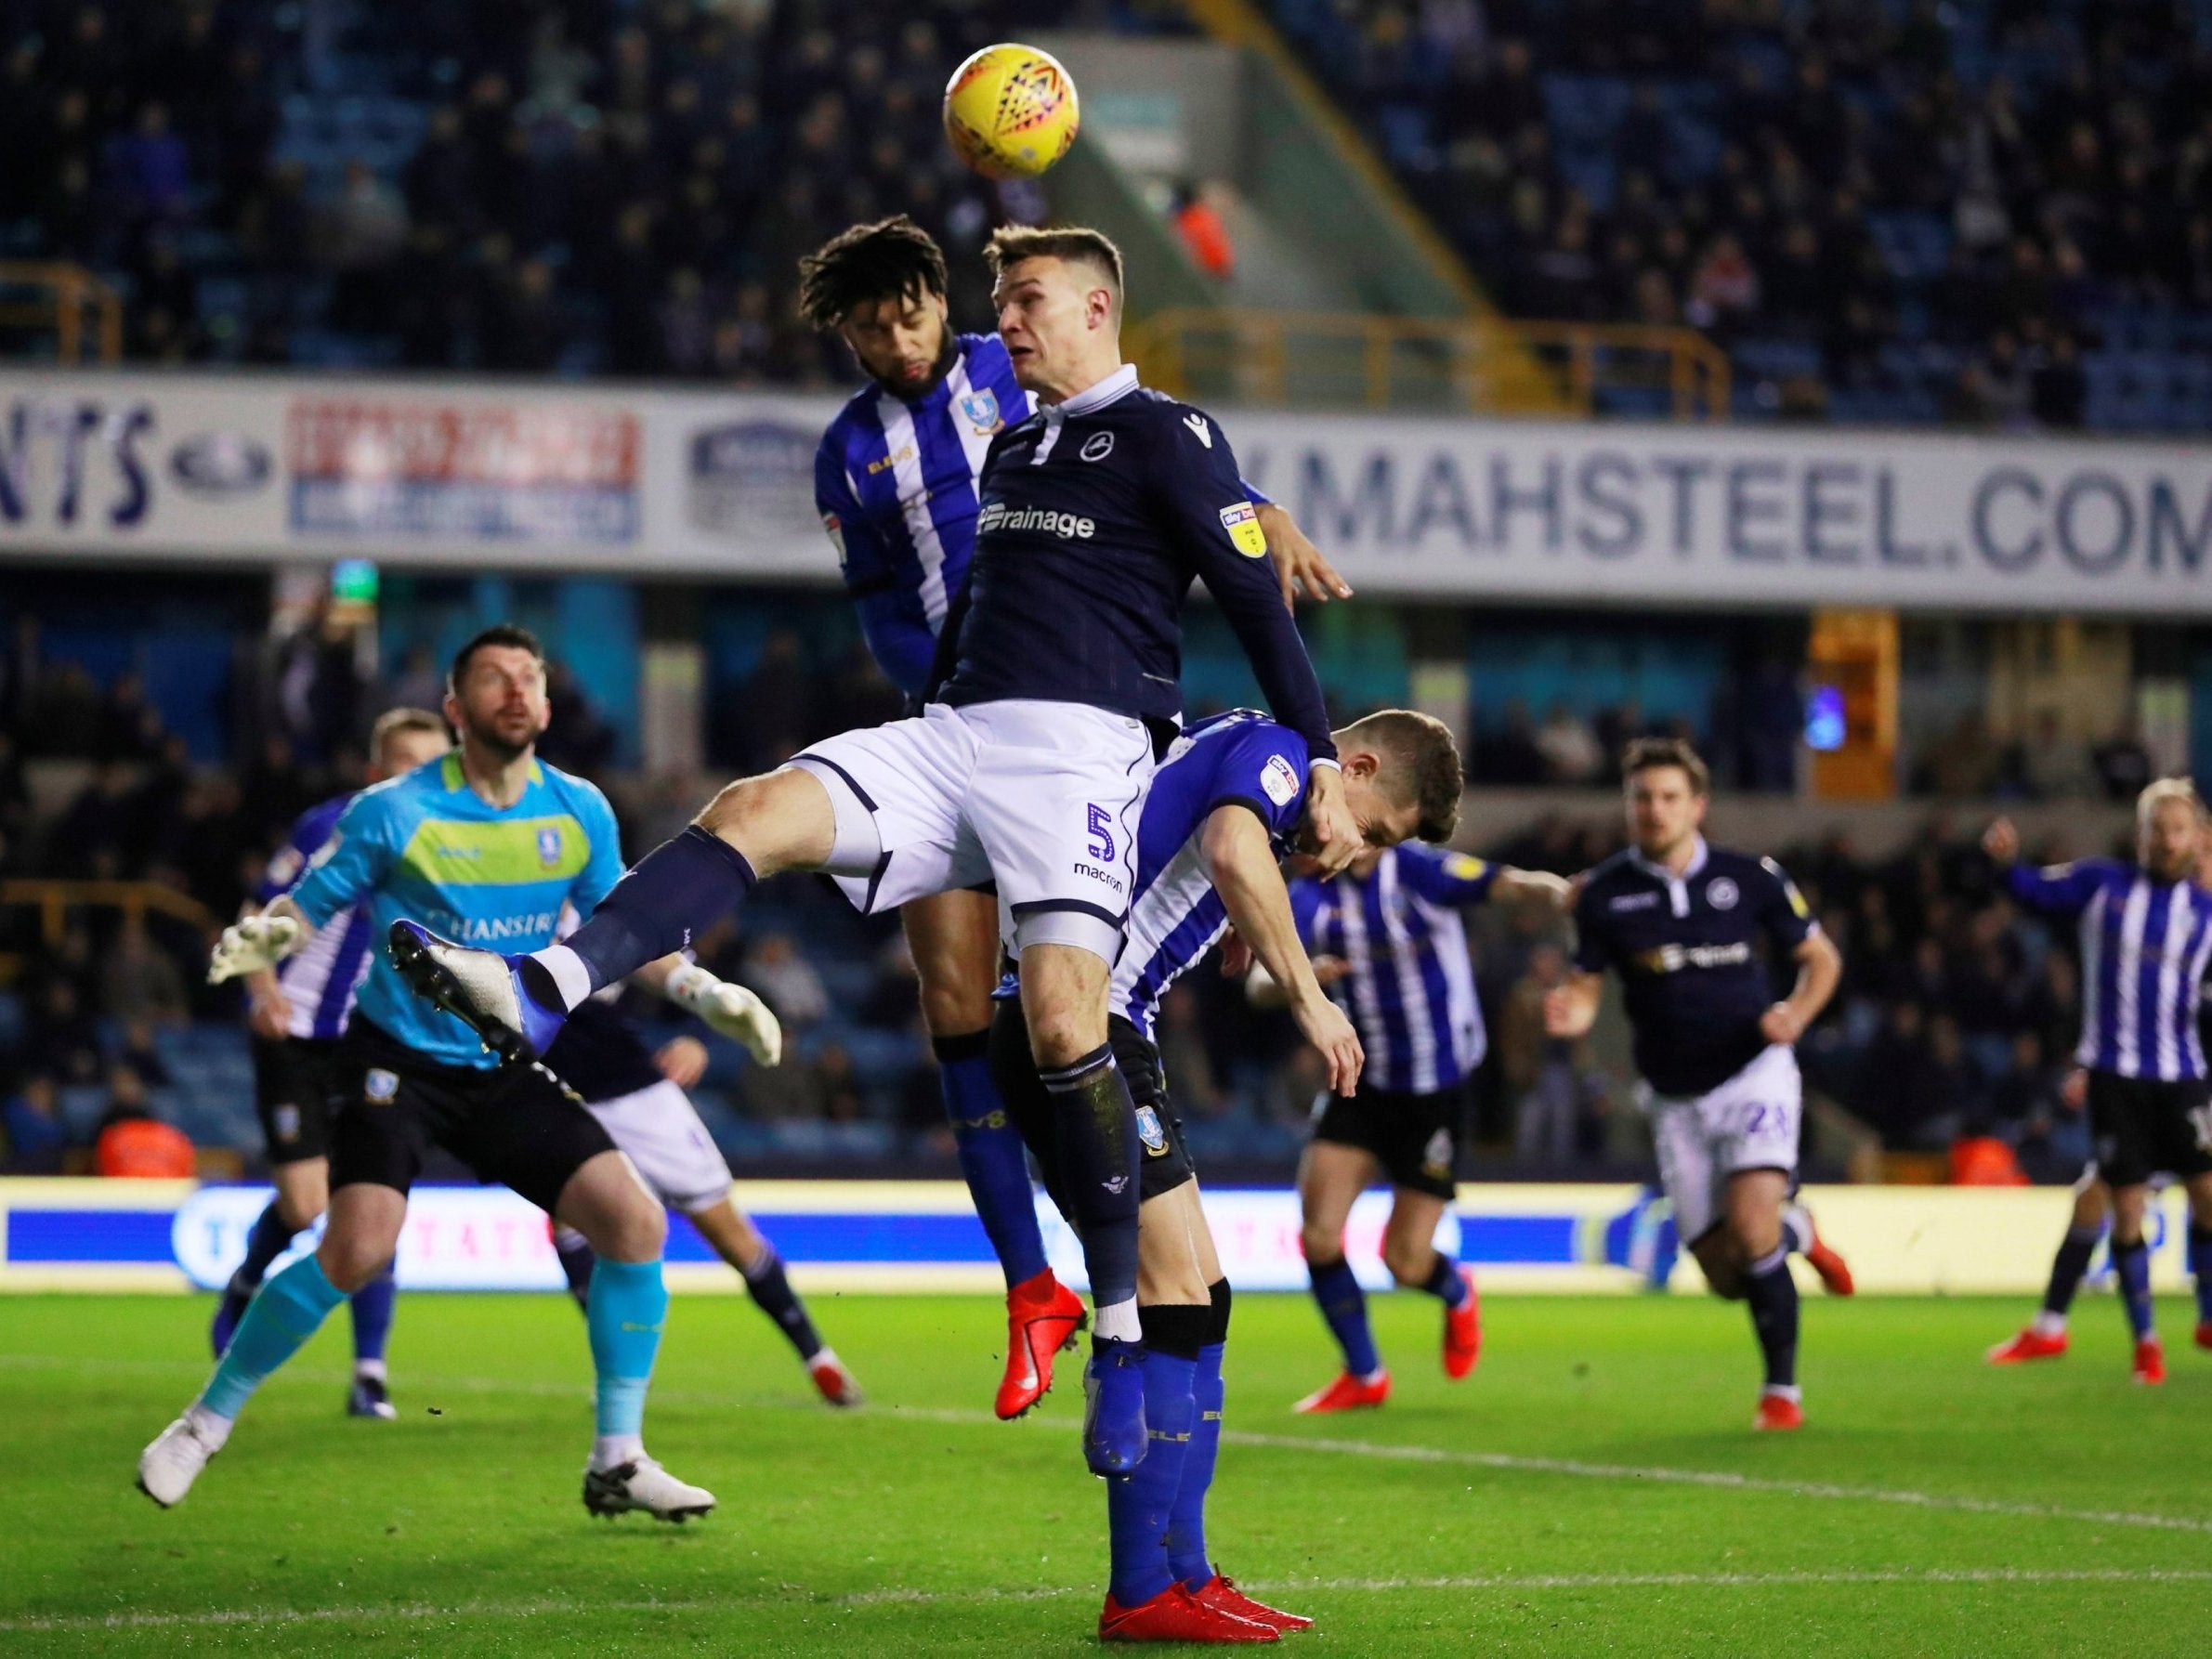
x=1057, y=678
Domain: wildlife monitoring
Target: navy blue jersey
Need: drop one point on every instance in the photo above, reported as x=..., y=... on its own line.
x=601, y=1055
x=1242, y=759
x=1411, y=993
x=2145, y=946
x=322, y=978
x=895, y=482
x=1097, y=514
x=1685, y=949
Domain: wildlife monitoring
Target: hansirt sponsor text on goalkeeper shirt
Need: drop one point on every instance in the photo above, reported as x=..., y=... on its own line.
x=427, y=847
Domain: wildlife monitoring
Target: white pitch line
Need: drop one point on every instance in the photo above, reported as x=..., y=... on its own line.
x=548, y=1607
x=1509, y=1462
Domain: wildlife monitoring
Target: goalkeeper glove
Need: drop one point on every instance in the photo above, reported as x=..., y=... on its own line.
x=729, y=1009
x=250, y=946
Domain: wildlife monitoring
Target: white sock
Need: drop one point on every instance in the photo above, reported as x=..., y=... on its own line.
x=1780, y=1392
x=211, y=1427
x=1119, y=1322
x=569, y=975
x=1796, y=1228
x=369, y=1370
x=609, y=1450
x=2048, y=1324
x=1375, y=1376
x=824, y=1355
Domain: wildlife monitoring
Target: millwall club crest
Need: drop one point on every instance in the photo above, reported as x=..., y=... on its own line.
x=1149, y=1131
x=982, y=410
x=549, y=846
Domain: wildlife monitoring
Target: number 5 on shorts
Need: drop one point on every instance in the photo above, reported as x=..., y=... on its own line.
x=1101, y=834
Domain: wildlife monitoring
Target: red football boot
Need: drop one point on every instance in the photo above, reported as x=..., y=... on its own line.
x=834, y=1384
x=1347, y=1394
x=1778, y=1411
x=2150, y=1362
x=1834, y=1273
x=1463, y=1331
x=1176, y=1615
x=1221, y=1591
x=2203, y=1333
x=1043, y=1318
x=2031, y=1344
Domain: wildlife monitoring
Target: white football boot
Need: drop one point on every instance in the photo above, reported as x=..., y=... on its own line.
x=168, y=1467
x=642, y=1483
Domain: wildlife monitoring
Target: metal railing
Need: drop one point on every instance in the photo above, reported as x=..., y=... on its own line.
x=54, y=899
x=1327, y=359
x=75, y=304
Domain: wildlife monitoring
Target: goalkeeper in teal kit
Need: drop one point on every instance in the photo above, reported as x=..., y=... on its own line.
x=494, y=844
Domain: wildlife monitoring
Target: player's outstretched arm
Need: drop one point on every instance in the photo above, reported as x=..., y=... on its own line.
x=1820, y=970
x=1534, y=886
x=2061, y=888
x=729, y=1009
x=1241, y=862
x=258, y=942
x=1301, y=570
x=1572, y=1008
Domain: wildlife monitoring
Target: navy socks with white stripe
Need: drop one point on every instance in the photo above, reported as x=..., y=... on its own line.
x=678, y=888
x=1774, y=1297
x=1345, y=1306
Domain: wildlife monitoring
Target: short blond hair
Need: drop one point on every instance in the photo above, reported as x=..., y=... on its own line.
x=397, y=722
x=2163, y=790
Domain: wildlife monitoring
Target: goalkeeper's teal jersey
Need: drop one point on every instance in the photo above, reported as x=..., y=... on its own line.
x=425, y=846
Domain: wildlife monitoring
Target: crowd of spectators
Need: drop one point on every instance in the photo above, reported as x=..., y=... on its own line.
x=617, y=186
x=1934, y=210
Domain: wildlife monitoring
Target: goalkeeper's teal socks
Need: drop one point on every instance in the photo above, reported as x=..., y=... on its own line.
x=626, y=1308
x=283, y=1314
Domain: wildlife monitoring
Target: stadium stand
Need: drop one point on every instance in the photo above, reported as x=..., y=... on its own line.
x=1993, y=214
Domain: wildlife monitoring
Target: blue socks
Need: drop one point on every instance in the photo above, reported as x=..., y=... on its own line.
x=679, y=888
x=1774, y=1297
x=373, y=1318
x=1345, y=1306
x=2132, y=1265
x=627, y=1306
x=286, y=1312
x=1445, y=1283
x=772, y=1290
x=2200, y=1267
x=1139, y=1507
x=991, y=1156
x=1186, y=1520
x=1097, y=1137
x=270, y=1237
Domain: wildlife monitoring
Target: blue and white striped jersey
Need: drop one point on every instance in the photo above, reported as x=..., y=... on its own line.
x=2145, y=946
x=895, y=481
x=1240, y=758
x=1411, y=993
x=321, y=979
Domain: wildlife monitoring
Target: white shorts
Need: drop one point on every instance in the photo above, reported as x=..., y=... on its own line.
x=1750, y=1122
x=1041, y=798
x=657, y=1128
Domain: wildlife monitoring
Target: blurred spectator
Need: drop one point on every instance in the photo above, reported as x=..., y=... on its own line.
x=139, y=982
x=2123, y=763
x=1569, y=749
x=2053, y=766
x=786, y=981
x=1205, y=233
x=31, y=1124
x=1551, y=1082
x=132, y=1143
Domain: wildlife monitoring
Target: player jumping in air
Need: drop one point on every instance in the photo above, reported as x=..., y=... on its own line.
x=297, y=1014
x=2146, y=944
x=898, y=483
x=1225, y=806
x=1390, y=928
x=493, y=844
x=1679, y=920
x=638, y=1097
x=1058, y=663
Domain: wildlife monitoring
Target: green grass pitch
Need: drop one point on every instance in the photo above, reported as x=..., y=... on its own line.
x=1593, y=1488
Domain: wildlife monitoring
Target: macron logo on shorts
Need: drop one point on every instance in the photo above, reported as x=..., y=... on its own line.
x=1068, y=526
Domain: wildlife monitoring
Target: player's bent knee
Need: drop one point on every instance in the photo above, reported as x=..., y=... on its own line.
x=1410, y=1263
x=954, y=1010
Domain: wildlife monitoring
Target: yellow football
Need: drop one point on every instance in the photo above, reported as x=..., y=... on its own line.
x=1010, y=111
